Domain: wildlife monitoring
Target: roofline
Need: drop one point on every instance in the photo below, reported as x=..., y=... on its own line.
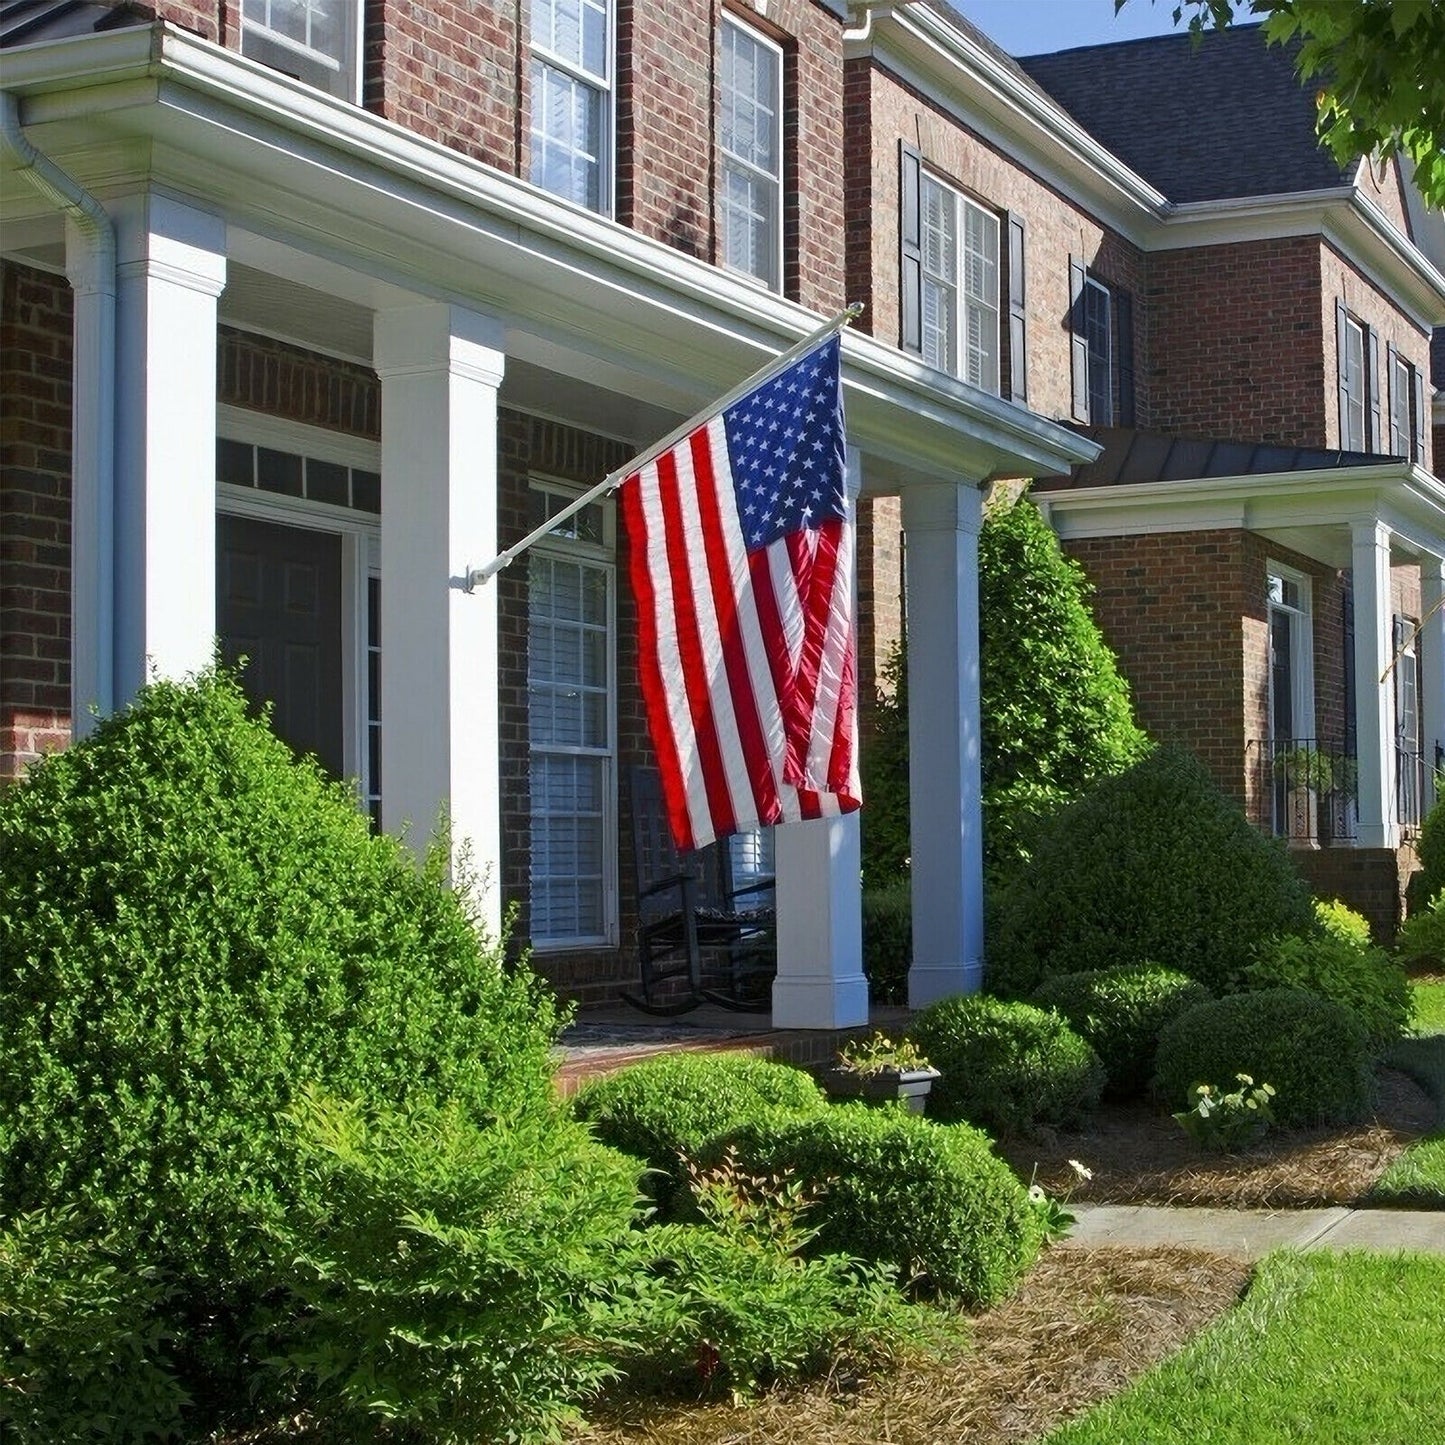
x=1017, y=110
x=1409, y=497
x=928, y=50
x=165, y=82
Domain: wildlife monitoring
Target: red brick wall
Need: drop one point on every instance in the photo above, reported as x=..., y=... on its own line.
x=880, y=594
x=35, y=402
x=449, y=71
x=1234, y=342
x=1056, y=229
x=302, y=386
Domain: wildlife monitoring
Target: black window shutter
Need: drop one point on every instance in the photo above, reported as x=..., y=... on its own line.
x=910, y=226
x=1393, y=399
x=1124, y=348
x=1341, y=348
x=1417, y=420
x=1017, y=312
x=1372, y=389
x=1078, y=340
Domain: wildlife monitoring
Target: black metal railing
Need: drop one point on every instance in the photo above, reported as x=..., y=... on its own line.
x=1303, y=790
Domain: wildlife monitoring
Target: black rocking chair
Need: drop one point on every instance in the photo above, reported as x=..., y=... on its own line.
x=702, y=935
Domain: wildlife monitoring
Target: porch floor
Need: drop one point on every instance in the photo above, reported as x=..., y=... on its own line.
x=603, y=1040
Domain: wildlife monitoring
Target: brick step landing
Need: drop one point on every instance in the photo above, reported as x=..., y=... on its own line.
x=603, y=1040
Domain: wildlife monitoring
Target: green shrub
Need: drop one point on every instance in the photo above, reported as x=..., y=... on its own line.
x=1055, y=710
x=883, y=763
x=1359, y=977
x=931, y=1199
x=445, y=1268
x=1340, y=921
x=1313, y=1052
x=194, y=927
x=1119, y=1013
x=1228, y=1121
x=82, y=1345
x=669, y=1109
x=1155, y=863
x=1422, y=939
x=887, y=942
x=735, y=1303
x=1430, y=849
x=1009, y=1067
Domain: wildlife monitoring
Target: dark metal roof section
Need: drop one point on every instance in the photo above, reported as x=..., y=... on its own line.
x=1131, y=456
x=1225, y=118
x=26, y=22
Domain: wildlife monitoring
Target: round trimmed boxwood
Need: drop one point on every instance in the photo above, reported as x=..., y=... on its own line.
x=194, y=929
x=1154, y=863
x=1312, y=1051
x=677, y=1104
x=1006, y=1066
x=932, y=1199
x=1119, y=1012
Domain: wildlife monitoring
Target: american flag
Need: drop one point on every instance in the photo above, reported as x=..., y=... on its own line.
x=742, y=570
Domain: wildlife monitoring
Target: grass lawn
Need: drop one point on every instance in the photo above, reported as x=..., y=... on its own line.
x=1429, y=1005
x=1348, y=1349
x=1417, y=1177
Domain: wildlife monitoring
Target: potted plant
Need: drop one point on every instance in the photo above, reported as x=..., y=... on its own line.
x=878, y=1070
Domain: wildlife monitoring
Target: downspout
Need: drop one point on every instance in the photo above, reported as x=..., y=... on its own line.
x=90, y=265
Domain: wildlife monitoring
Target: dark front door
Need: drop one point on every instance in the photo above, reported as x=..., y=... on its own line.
x=278, y=604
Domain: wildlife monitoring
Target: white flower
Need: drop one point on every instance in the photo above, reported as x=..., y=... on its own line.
x=1081, y=1170
x=1037, y=1195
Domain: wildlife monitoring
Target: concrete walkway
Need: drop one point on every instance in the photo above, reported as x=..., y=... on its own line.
x=1250, y=1233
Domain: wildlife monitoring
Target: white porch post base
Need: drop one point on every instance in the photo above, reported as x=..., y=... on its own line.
x=820, y=982
x=440, y=367
x=1374, y=722
x=941, y=522
x=171, y=267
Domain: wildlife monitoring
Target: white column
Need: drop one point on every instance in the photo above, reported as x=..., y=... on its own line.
x=90, y=261
x=820, y=982
x=440, y=367
x=1432, y=665
x=171, y=267
x=941, y=523
x=1374, y=714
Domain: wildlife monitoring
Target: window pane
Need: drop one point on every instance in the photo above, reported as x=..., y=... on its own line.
x=566, y=136
x=574, y=31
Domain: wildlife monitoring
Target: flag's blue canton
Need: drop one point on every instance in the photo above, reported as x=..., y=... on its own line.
x=785, y=444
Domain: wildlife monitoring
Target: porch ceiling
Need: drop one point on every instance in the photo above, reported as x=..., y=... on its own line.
x=319, y=194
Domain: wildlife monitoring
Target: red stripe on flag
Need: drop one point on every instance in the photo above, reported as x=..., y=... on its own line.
x=649, y=667
x=690, y=647
x=734, y=649
x=817, y=600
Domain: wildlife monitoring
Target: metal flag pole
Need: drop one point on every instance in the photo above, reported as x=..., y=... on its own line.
x=613, y=480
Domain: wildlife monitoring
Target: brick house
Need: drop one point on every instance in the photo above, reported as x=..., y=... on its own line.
x=1145, y=241
x=308, y=306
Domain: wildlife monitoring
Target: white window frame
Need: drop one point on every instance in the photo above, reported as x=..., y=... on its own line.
x=1356, y=388
x=543, y=58
x=1302, y=646
x=360, y=534
x=1101, y=358
x=1403, y=420
x=733, y=163
x=979, y=366
x=603, y=555
x=338, y=75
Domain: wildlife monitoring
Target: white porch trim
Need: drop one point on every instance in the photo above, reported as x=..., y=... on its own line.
x=171, y=267
x=1370, y=542
x=440, y=367
x=941, y=522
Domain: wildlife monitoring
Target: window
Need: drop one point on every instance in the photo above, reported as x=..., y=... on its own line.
x=570, y=722
x=1092, y=346
x=1292, y=748
x=1357, y=349
x=1409, y=760
x=949, y=248
x=751, y=147
x=318, y=41
x=1407, y=409
x=572, y=100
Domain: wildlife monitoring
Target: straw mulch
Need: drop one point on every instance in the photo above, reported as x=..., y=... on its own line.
x=1139, y=1155
x=1082, y=1326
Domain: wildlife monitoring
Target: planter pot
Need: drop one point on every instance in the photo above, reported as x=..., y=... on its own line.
x=911, y=1086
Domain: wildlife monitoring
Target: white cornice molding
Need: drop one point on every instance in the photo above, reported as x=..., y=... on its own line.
x=346, y=180
x=1407, y=497
x=935, y=57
